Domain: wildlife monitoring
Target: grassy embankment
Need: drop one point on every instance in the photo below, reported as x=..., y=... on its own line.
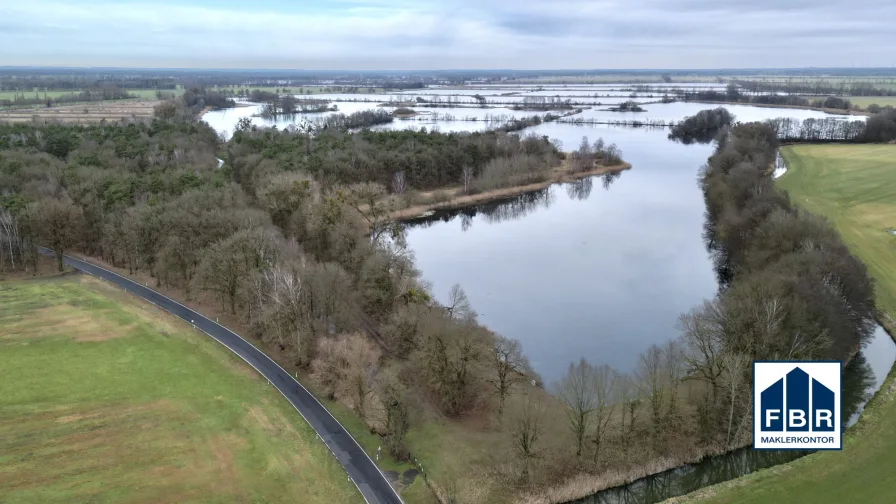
x=854, y=186
x=107, y=399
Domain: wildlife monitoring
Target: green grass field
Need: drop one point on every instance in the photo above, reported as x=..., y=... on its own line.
x=864, y=101
x=855, y=187
x=107, y=399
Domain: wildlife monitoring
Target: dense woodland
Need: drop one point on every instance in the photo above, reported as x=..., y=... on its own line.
x=291, y=236
x=397, y=161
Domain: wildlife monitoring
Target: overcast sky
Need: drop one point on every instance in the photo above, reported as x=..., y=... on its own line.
x=445, y=34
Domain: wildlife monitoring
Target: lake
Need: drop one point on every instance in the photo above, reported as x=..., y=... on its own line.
x=584, y=271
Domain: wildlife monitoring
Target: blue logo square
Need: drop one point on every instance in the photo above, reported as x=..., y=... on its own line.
x=796, y=405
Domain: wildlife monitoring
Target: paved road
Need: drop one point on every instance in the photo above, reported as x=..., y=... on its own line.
x=362, y=470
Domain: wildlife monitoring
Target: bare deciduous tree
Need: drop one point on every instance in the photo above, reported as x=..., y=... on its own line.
x=673, y=363
x=347, y=367
x=576, y=390
x=735, y=374
x=57, y=223
x=369, y=200
x=459, y=306
x=399, y=183
x=467, y=178
x=650, y=379
x=629, y=399
x=227, y=264
x=703, y=335
x=605, y=379
x=12, y=242
x=508, y=362
x=527, y=431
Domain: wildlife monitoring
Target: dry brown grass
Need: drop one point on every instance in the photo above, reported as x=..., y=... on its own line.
x=75, y=322
x=83, y=113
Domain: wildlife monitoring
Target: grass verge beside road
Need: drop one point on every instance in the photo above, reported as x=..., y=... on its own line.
x=854, y=186
x=108, y=399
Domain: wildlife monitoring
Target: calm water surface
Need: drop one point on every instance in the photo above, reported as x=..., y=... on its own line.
x=583, y=271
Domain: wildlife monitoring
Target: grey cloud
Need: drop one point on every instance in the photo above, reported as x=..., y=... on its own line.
x=367, y=34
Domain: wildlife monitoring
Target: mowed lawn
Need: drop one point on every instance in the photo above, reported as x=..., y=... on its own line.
x=104, y=398
x=855, y=187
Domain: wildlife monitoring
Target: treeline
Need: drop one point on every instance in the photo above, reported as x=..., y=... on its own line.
x=355, y=120
x=707, y=124
x=733, y=94
x=819, y=87
x=702, y=126
x=26, y=84
x=67, y=186
x=288, y=105
x=517, y=124
x=543, y=103
x=634, y=123
x=198, y=98
x=190, y=105
x=772, y=255
x=827, y=129
x=880, y=127
x=85, y=95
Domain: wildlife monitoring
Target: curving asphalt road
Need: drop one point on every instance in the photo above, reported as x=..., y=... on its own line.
x=361, y=469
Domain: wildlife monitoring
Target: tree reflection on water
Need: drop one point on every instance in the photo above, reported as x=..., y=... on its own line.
x=516, y=207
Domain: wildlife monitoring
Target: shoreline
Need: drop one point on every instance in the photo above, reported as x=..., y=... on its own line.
x=557, y=175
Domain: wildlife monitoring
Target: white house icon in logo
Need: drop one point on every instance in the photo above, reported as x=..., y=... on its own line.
x=796, y=405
